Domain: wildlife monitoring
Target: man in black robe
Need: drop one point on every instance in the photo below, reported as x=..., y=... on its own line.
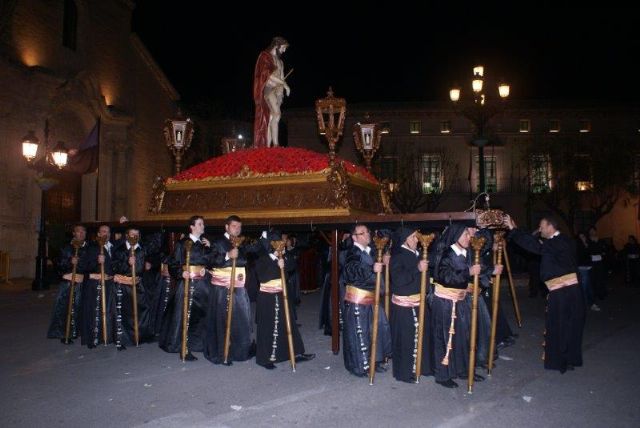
x=359, y=276
x=92, y=329
x=450, y=317
x=565, y=312
x=66, y=262
x=271, y=335
x=123, y=263
x=240, y=348
x=200, y=260
x=405, y=267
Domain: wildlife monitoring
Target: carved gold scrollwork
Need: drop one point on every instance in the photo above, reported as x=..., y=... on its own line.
x=157, y=195
x=339, y=182
x=492, y=219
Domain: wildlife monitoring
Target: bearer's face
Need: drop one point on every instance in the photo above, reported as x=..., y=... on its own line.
x=546, y=229
x=362, y=235
x=464, y=239
x=198, y=228
x=412, y=241
x=104, y=232
x=133, y=233
x=79, y=233
x=234, y=228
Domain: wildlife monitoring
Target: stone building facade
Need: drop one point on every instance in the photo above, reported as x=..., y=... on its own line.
x=438, y=139
x=74, y=63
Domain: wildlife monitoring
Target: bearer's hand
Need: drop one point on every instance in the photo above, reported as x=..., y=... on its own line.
x=423, y=265
x=474, y=270
x=386, y=259
x=205, y=242
x=281, y=263
x=132, y=261
x=100, y=259
x=233, y=254
x=74, y=260
x=497, y=270
x=508, y=221
x=377, y=267
x=186, y=275
x=147, y=266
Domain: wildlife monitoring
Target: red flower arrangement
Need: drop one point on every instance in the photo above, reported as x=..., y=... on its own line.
x=266, y=162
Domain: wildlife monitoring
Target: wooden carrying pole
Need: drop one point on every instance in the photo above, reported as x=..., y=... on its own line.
x=133, y=241
x=103, y=301
x=425, y=241
x=236, y=241
x=512, y=287
x=498, y=239
x=185, y=301
x=380, y=243
x=67, y=331
x=477, y=244
x=279, y=247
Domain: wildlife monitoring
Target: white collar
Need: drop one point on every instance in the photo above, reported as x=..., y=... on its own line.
x=459, y=251
x=555, y=234
x=108, y=244
x=365, y=249
x=226, y=235
x=413, y=251
x=83, y=243
x=193, y=238
x=273, y=256
x=129, y=245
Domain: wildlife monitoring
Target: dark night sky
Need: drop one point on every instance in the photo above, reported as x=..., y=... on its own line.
x=396, y=52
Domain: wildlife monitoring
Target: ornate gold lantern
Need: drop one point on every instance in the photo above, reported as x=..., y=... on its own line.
x=367, y=138
x=178, y=133
x=331, y=113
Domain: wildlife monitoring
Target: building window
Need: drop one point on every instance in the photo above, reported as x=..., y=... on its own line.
x=385, y=127
x=554, y=125
x=490, y=173
x=70, y=25
x=540, y=173
x=415, y=127
x=525, y=125
x=431, y=173
x=445, y=127
x=585, y=125
x=584, y=177
x=388, y=168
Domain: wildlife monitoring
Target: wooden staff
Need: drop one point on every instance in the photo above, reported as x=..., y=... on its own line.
x=279, y=247
x=476, y=243
x=67, y=331
x=498, y=238
x=512, y=288
x=236, y=241
x=387, y=290
x=102, y=240
x=185, y=301
x=425, y=241
x=380, y=242
x=133, y=241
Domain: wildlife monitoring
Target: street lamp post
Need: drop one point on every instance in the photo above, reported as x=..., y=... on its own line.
x=58, y=157
x=178, y=133
x=479, y=112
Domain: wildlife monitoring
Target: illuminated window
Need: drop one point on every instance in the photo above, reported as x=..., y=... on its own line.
x=415, y=127
x=585, y=125
x=445, y=127
x=385, y=127
x=584, y=176
x=70, y=25
x=525, y=125
x=554, y=125
x=431, y=173
x=490, y=173
x=540, y=173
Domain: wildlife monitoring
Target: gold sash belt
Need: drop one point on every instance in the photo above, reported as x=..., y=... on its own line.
x=196, y=270
x=562, y=281
x=125, y=280
x=412, y=301
x=274, y=286
x=222, y=276
x=79, y=277
x=98, y=277
x=455, y=294
x=359, y=296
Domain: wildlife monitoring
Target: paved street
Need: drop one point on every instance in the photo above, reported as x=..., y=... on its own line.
x=44, y=383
